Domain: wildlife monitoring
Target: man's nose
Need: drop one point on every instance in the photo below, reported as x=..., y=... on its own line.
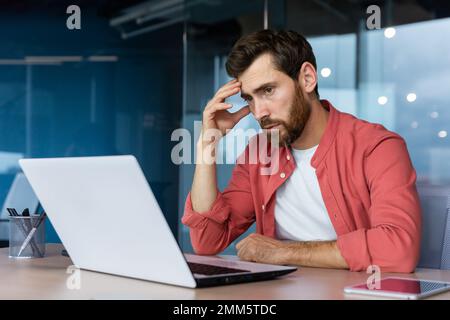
x=260, y=111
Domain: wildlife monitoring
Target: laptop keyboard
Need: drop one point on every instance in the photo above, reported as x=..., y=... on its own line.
x=209, y=270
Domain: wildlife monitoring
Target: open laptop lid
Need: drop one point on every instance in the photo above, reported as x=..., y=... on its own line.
x=107, y=217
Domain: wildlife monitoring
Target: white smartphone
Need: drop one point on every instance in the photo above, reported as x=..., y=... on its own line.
x=401, y=288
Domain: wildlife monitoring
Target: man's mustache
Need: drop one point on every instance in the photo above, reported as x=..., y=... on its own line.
x=267, y=123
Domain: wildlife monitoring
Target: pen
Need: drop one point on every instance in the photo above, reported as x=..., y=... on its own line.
x=30, y=235
x=26, y=213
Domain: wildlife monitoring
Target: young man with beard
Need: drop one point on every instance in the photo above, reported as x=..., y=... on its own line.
x=344, y=194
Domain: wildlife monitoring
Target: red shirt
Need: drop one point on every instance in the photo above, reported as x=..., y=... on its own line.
x=367, y=183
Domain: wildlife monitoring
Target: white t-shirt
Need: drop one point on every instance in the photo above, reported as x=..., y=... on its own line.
x=300, y=213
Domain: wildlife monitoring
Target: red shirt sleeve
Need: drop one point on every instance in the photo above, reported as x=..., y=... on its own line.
x=393, y=241
x=231, y=214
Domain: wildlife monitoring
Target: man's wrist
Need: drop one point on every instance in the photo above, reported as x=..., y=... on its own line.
x=206, y=152
x=294, y=253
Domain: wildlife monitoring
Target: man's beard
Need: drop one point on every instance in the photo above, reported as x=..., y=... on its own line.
x=299, y=113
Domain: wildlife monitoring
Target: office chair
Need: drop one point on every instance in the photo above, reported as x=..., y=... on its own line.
x=445, y=261
x=435, y=243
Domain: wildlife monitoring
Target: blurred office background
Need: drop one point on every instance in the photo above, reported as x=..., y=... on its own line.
x=137, y=70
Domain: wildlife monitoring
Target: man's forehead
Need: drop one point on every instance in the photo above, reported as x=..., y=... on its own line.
x=260, y=71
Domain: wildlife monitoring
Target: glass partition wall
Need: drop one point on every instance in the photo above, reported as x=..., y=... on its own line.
x=88, y=92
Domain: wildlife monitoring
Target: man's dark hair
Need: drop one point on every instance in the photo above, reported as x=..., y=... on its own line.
x=289, y=50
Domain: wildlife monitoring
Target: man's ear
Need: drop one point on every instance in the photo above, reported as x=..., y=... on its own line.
x=307, y=77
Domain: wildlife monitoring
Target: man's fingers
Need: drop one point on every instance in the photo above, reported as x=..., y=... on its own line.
x=240, y=244
x=218, y=106
x=227, y=87
x=238, y=115
x=220, y=96
x=231, y=84
x=245, y=254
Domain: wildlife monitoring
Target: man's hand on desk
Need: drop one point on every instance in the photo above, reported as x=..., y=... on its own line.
x=259, y=248
x=320, y=254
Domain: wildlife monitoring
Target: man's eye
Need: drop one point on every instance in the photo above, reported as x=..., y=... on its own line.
x=268, y=90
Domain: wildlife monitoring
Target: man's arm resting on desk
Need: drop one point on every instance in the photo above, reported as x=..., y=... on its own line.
x=320, y=254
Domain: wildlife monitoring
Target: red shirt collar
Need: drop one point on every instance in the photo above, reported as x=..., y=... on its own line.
x=327, y=138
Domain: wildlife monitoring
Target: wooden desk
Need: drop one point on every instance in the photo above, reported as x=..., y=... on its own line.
x=46, y=279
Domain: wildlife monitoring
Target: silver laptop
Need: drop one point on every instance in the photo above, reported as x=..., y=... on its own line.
x=108, y=220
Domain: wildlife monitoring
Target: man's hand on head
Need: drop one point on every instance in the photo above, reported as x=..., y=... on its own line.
x=216, y=115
